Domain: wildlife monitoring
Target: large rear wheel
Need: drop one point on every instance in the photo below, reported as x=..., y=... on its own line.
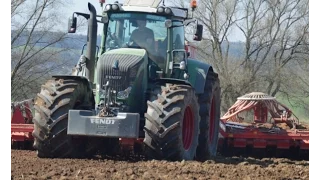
x=209, y=103
x=52, y=105
x=172, y=124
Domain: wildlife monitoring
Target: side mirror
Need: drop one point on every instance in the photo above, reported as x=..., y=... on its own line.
x=72, y=25
x=198, y=34
x=104, y=18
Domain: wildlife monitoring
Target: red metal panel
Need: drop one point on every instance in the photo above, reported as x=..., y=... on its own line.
x=271, y=143
x=17, y=116
x=21, y=132
x=250, y=141
x=22, y=127
x=259, y=143
x=259, y=135
x=283, y=144
x=128, y=143
x=18, y=136
x=304, y=144
x=260, y=113
x=21, y=112
x=239, y=143
x=282, y=139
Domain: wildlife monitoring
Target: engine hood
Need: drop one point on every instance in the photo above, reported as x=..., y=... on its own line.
x=119, y=67
x=127, y=51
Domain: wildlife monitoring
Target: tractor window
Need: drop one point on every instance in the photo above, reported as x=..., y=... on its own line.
x=136, y=30
x=111, y=31
x=178, y=36
x=178, y=42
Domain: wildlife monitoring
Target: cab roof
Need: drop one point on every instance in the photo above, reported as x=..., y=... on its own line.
x=151, y=6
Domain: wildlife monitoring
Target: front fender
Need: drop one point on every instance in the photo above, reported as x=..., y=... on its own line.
x=163, y=81
x=78, y=78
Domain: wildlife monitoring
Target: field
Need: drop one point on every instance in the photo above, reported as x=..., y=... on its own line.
x=26, y=165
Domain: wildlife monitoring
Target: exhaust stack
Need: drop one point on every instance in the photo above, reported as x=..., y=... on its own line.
x=91, y=41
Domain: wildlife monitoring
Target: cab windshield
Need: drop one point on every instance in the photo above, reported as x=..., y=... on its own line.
x=137, y=30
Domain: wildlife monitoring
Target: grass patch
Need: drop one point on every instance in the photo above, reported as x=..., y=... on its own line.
x=297, y=109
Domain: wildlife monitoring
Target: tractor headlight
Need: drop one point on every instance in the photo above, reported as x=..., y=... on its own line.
x=168, y=11
x=124, y=94
x=182, y=65
x=163, y=10
x=108, y=7
x=115, y=7
x=160, y=10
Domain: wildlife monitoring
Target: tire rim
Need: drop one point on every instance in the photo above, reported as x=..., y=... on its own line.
x=187, y=128
x=212, y=115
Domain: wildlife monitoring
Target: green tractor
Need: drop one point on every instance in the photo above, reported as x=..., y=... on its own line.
x=139, y=93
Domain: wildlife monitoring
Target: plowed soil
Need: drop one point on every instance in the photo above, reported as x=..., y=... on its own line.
x=26, y=165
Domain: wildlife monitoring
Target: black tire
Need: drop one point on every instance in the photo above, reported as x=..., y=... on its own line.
x=165, y=123
x=52, y=105
x=226, y=149
x=209, y=103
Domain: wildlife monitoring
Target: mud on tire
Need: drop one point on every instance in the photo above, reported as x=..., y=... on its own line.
x=52, y=104
x=209, y=103
x=172, y=124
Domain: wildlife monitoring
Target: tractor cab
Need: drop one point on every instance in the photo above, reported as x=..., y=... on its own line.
x=146, y=25
x=151, y=26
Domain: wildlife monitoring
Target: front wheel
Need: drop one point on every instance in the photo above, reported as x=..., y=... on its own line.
x=52, y=106
x=172, y=124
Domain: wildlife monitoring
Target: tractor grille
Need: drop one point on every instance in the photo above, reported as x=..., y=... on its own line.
x=121, y=78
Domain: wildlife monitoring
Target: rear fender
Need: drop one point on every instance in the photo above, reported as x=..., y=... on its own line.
x=198, y=72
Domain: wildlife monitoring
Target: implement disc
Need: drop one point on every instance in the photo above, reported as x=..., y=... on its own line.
x=256, y=96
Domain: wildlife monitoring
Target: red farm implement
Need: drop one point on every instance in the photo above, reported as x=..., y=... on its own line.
x=273, y=130
x=21, y=124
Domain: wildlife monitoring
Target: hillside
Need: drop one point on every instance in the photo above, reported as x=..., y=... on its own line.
x=72, y=42
x=76, y=42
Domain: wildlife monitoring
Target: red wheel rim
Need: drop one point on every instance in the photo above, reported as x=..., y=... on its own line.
x=187, y=128
x=212, y=115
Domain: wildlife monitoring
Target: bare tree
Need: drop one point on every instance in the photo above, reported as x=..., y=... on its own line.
x=35, y=44
x=276, y=35
x=274, y=55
